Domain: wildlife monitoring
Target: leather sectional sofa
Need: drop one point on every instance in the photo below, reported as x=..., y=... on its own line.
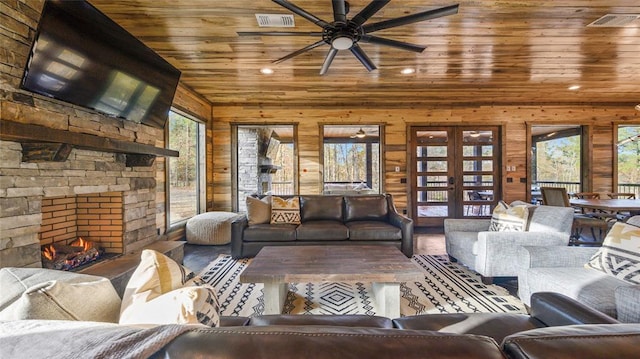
x=328, y=219
x=558, y=327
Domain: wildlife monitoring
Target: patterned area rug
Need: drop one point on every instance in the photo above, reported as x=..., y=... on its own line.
x=447, y=288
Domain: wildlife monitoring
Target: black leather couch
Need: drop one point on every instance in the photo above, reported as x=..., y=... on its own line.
x=558, y=327
x=329, y=219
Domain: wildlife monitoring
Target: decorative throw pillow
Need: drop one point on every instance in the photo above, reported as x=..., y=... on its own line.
x=162, y=291
x=36, y=293
x=509, y=218
x=258, y=210
x=619, y=255
x=285, y=211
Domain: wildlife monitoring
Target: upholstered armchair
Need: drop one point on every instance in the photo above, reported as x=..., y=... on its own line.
x=495, y=253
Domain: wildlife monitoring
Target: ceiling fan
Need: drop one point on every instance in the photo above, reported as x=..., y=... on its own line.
x=345, y=34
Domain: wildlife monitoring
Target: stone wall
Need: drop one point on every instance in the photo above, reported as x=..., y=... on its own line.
x=247, y=164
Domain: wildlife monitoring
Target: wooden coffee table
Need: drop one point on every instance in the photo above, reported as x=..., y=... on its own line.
x=383, y=266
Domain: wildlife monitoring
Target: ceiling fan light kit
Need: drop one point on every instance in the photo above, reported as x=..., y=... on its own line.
x=345, y=34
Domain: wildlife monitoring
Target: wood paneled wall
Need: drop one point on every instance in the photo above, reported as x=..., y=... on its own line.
x=514, y=120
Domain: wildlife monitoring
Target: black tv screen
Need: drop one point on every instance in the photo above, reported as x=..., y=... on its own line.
x=82, y=57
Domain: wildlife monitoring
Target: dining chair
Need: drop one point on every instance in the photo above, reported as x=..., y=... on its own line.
x=556, y=196
x=621, y=195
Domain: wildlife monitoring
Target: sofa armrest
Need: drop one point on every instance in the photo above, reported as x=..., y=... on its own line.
x=554, y=256
x=497, y=253
x=628, y=303
x=406, y=227
x=237, y=230
x=466, y=225
x=555, y=309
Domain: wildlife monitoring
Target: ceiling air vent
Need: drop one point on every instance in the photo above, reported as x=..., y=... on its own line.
x=275, y=20
x=615, y=20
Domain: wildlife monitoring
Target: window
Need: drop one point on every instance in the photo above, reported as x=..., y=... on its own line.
x=351, y=159
x=628, y=163
x=556, y=157
x=185, y=174
x=265, y=161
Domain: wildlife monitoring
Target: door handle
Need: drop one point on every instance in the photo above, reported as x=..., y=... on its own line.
x=451, y=180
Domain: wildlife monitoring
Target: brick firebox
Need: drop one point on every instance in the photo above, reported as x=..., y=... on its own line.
x=96, y=217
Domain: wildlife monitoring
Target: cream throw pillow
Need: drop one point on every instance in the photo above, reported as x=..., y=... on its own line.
x=258, y=210
x=619, y=255
x=285, y=211
x=72, y=296
x=509, y=218
x=162, y=291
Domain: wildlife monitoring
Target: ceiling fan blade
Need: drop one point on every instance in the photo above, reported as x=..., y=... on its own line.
x=277, y=33
x=327, y=61
x=298, y=52
x=301, y=12
x=366, y=13
x=360, y=55
x=393, y=43
x=339, y=11
x=425, y=15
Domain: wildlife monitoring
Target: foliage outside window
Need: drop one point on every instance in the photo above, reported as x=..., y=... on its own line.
x=629, y=159
x=184, y=173
x=557, y=159
x=351, y=163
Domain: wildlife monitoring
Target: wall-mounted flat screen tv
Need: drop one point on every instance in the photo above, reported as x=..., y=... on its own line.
x=82, y=57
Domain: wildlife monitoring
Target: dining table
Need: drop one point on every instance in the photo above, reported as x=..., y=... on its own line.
x=617, y=206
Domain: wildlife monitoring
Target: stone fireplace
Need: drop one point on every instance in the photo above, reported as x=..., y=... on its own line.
x=94, y=217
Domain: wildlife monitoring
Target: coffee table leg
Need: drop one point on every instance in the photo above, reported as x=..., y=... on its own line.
x=274, y=296
x=387, y=296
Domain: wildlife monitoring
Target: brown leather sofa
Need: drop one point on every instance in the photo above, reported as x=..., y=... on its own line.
x=329, y=219
x=558, y=327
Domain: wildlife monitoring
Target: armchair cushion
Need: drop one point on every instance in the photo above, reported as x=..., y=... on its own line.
x=619, y=255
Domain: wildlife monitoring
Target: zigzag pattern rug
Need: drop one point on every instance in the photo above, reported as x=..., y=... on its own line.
x=447, y=288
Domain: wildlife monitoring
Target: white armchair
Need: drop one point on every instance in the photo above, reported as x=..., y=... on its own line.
x=495, y=254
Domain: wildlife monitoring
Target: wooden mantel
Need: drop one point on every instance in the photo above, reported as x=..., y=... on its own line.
x=60, y=141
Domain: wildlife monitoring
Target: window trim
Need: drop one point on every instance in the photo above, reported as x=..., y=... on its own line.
x=200, y=171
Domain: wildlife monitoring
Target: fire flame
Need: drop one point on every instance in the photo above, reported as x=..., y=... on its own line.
x=49, y=252
x=86, y=245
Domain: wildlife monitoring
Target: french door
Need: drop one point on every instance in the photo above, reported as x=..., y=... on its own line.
x=455, y=173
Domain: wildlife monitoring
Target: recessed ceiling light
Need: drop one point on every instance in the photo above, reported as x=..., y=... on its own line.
x=638, y=107
x=266, y=71
x=407, y=71
x=574, y=87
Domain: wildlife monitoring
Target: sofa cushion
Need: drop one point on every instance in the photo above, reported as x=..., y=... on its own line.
x=365, y=208
x=509, y=218
x=270, y=232
x=161, y=291
x=285, y=211
x=313, y=208
x=37, y=293
x=619, y=255
x=592, y=288
x=321, y=231
x=258, y=210
x=373, y=231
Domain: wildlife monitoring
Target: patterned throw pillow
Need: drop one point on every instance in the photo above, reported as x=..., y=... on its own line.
x=162, y=291
x=619, y=255
x=285, y=211
x=509, y=218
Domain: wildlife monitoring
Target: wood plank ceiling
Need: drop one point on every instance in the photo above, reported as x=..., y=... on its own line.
x=492, y=52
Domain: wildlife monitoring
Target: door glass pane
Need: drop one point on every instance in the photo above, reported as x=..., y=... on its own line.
x=477, y=136
x=478, y=180
x=433, y=196
x=433, y=211
x=434, y=166
x=477, y=151
x=484, y=165
x=432, y=181
x=432, y=137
